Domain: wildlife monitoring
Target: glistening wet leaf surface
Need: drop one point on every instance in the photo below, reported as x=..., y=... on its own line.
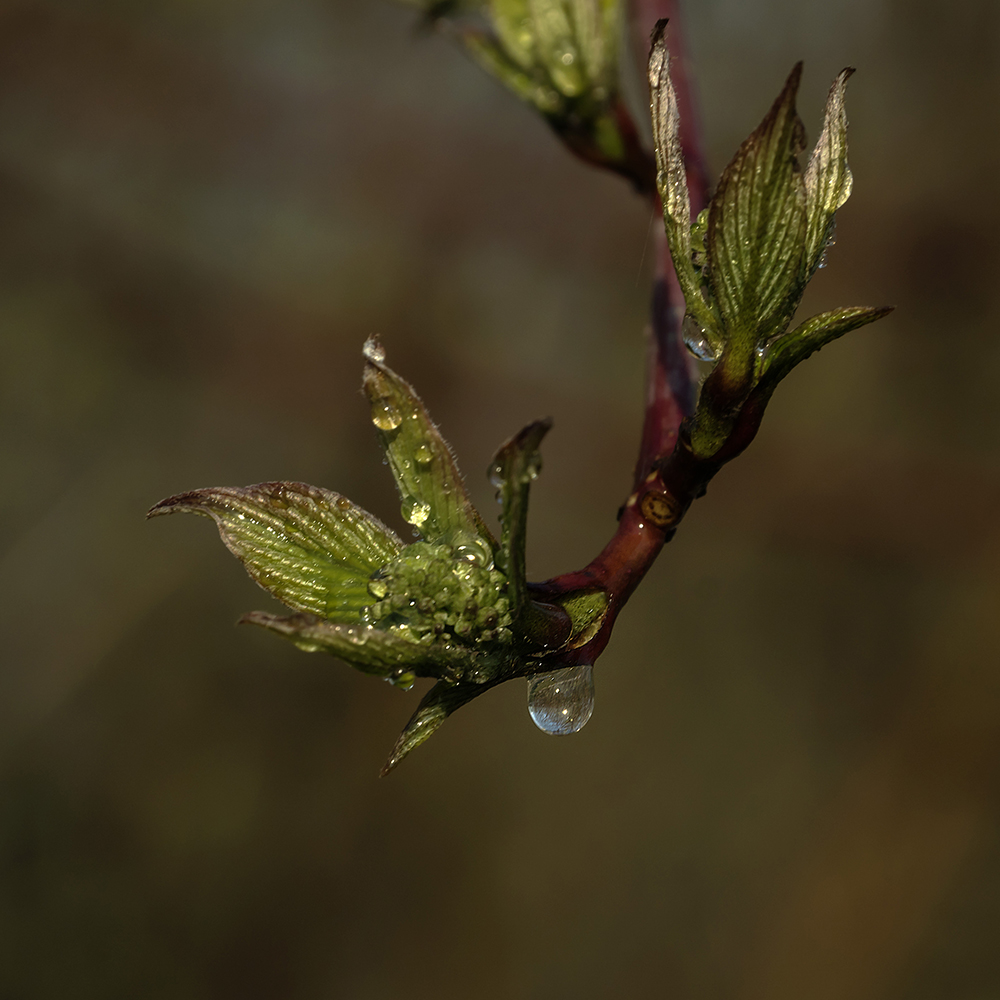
x=790, y=788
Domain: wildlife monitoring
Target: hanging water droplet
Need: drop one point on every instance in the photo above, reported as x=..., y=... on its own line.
x=496, y=476
x=423, y=455
x=414, y=512
x=695, y=340
x=385, y=416
x=562, y=702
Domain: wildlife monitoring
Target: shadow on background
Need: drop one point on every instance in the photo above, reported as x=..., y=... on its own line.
x=790, y=785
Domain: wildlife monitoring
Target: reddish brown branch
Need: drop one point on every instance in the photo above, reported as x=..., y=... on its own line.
x=668, y=477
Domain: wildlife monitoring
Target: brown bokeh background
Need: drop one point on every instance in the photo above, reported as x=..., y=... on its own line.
x=790, y=786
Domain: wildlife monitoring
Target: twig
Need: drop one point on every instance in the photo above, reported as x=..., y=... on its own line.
x=668, y=477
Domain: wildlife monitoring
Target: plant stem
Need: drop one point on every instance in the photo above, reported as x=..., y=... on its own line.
x=668, y=475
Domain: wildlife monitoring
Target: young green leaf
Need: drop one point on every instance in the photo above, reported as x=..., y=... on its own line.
x=671, y=181
x=597, y=30
x=513, y=25
x=385, y=653
x=493, y=57
x=756, y=228
x=434, y=498
x=311, y=548
x=556, y=46
x=794, y=347
x=436, y=706
x=514, y=467
x=828, y=177
x=512, y=471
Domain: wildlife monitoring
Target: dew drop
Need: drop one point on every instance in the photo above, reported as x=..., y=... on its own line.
x=562, y=702
x=414, y=512
x=497, y=476
x=423, y=455
x=695, y=340
x=385, y=416
x=469, y=549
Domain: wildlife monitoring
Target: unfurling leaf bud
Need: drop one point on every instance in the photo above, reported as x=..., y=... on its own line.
x=453, y=605
x=744, y=263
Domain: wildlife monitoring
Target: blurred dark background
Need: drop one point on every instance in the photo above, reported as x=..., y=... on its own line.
x=790, y=786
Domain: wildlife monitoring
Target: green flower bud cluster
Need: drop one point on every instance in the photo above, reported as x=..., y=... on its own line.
x=453, y=605
x=434, y=591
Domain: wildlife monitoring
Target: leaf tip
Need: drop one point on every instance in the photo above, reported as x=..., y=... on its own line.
x=182, y=501
x=373, y=351
x=656, y=35
x=658, y=58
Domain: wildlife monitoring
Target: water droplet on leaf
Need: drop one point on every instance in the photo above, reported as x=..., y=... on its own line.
x=414, y=512
x=562, y=702
x=385, y=416
x=423, y=455
x=695, y=340
x=470, y=549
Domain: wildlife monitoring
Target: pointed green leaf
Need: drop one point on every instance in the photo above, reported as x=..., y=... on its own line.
x=787, y=351
x=434, y=498
x=671, y=181
x=757, y=226
x=383, y=652
x=556, y=46
x=495, y=60
x=512, y=23
x=514, y=467
x=587, y=610
x=828, y=177
x=441, y=701
x=312, y=549
x=597, y=26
